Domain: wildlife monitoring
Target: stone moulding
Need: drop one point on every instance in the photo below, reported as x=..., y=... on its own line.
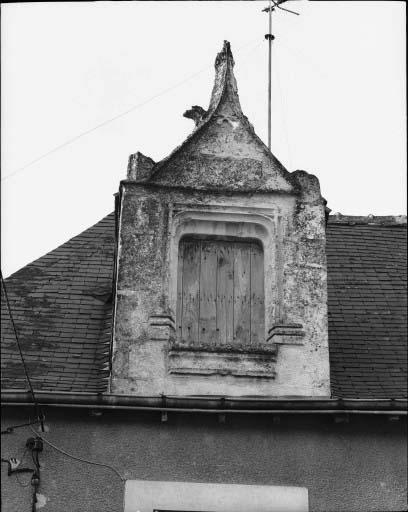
x=286, y=334
x=225, y=222
x=161, y=327
x=246, y=361
x=255, y=361
x=266, y=349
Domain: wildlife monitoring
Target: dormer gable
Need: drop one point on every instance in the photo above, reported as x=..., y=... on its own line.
x=223, y=152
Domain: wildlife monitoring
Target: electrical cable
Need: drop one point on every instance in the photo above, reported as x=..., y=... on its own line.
x=17, y=340
x=35, y=479
x=301, y=57
x=36, y=463
x=245, y=56
x=24, y=454
x=16, y=474
x=79, y=458
x=107, y=121
x=40, y=416
x=9, y=430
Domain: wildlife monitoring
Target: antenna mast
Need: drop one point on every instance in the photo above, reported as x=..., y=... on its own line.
x=270, y=37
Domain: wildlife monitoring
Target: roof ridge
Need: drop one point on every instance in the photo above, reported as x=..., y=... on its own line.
x=378, y=220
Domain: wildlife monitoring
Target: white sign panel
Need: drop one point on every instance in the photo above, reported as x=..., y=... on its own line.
x=149, y=496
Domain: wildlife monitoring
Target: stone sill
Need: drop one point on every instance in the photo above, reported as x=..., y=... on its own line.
x=206, y=360
x=266, y=349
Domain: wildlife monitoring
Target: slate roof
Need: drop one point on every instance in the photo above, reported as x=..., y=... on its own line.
x=61, y=305
x=367, y=302
x=62, y=309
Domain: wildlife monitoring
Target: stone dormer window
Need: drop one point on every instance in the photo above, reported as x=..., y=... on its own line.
x=220, y=260
x=221, y=269
x=220, y=292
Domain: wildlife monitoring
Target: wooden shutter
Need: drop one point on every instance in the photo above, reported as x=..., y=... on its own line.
x=190, y=296
x=225, y=293
x=220, y=292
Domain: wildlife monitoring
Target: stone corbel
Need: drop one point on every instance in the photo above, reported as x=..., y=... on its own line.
x=286, y=334
x=161, y=328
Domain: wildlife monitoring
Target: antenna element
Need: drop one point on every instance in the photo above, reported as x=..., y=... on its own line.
x=270, y=37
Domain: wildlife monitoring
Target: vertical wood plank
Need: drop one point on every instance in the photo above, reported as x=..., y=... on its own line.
x=191, y=291
x=242, y=293
x=208, y=293
x=225, y=292
x=179, y=307
x=220, y=292
x=257, y=295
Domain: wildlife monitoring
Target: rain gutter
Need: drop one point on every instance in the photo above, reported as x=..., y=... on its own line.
x=209, y=404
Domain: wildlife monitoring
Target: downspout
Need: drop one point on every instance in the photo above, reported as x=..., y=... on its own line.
x=118, y=218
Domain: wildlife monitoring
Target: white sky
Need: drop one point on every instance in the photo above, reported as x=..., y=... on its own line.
x=338, y=101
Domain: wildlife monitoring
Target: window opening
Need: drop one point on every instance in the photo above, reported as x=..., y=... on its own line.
x=220, y=296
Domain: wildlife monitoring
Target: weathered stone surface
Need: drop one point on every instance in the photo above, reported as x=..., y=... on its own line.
x=196, y=113
x=223, y=152
x=222, y=182
x=221, y=363
x=295, y=278
x=139, y=167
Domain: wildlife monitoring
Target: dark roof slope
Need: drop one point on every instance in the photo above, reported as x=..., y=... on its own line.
x=62, y=309
x=367, y=283
x=61, y=305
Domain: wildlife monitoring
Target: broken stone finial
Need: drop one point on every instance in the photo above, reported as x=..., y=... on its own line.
x=224, y=54
x=196, y=113
x=139, y=167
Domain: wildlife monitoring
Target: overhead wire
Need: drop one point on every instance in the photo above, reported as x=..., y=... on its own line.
x=114, y=118
x=100, y=125
x=301, y=57
x=251, y=50
x=10, y=429
x=40, y=416
x=16, y=337
x=79, y=459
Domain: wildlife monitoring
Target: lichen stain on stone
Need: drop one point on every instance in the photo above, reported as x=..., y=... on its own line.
x=222, y=167
x=143, y=263
x=223, y=132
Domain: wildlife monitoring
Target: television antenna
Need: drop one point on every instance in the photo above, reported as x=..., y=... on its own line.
x=273, y=4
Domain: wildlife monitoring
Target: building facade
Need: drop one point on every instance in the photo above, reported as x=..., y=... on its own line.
x=220, y=343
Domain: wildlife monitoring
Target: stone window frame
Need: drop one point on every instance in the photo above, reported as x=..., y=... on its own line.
x=229, y=223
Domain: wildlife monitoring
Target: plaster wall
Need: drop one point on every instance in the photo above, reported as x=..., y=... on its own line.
x=293, y=239
x=356, y=466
